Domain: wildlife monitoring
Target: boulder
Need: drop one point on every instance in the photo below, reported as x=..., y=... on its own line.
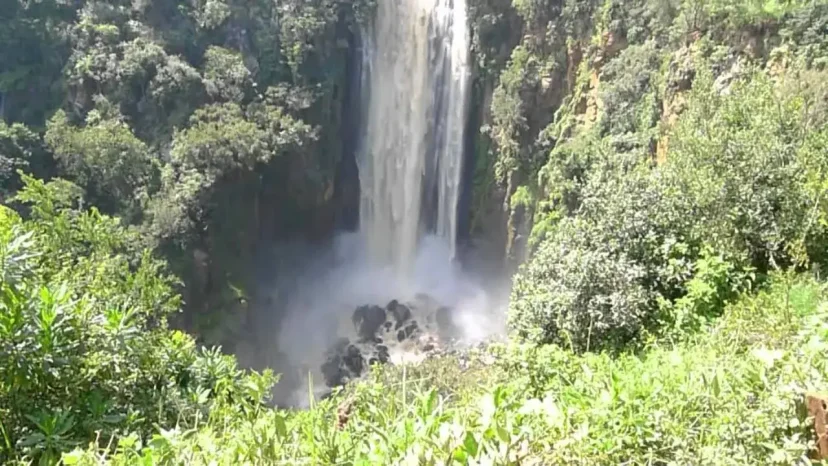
x=382, y=356
x=343, y=363
x=367, y=320
x=408, y=331
x=333, y=372
x=400, y=313
x=377, y=326
x=353, y=360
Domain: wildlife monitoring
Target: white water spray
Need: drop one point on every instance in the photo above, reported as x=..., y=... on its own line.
x=415, y=80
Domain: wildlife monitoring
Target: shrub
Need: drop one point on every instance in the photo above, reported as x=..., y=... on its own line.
x=84, y=348
x=579, y=298
x=729, y=395
x=603, y=269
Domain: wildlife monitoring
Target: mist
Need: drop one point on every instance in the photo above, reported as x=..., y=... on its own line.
x=307, y=294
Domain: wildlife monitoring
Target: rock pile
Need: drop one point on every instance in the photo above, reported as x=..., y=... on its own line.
x=382, y=333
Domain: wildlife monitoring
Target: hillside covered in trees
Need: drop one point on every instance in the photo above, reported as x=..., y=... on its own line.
x=649, y=178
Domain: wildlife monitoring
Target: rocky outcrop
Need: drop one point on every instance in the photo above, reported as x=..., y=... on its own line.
x=367, y=321
x=416, y=329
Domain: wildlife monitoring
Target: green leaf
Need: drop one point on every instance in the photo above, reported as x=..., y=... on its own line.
x=280, y=425
x=470, y=444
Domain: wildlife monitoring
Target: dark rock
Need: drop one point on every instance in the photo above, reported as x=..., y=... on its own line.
x=400, y=312
x=333, y=372
x=367, y=320
x=388, y=325
x=411, y=328
x=406, y=332
x=344, y=362
x=382, y=354
x=353, y=360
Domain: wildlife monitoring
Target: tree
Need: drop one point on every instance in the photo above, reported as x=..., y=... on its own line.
x=20, y=149
x=104, y=157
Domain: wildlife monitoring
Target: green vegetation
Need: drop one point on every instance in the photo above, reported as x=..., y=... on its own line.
x=664, y=168
x=640, y=241
x=84, y=343
x=171, y=114
x=649, y=184
x=93, y=376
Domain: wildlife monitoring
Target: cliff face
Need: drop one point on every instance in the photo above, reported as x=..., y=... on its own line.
x=310, y=194
x=602, y=72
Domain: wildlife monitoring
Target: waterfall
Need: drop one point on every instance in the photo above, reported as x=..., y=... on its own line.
x=415, y=78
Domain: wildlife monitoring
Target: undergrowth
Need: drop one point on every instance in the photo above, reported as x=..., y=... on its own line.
x=730, y=394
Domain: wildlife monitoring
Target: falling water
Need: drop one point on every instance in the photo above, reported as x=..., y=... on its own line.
x=415, y=81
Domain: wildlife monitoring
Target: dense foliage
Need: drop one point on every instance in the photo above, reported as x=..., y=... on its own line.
x=682, y=156
x=124, y=390
x=661, y=165
x=171, y=114
x=83, y=339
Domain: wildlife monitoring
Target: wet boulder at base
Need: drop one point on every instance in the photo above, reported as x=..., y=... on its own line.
x=334, y=369
x=367, y=321
x=400, y=312
x=408, y=331
x=353, y=360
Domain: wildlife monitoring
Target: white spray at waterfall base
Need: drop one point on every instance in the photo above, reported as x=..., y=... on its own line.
x=319, y=306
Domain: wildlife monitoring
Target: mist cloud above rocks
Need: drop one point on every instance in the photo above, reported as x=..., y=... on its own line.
x=307, y=296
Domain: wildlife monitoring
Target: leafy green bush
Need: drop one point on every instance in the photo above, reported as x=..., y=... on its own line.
x=730, y=397
x=604, y=269
x=743, y=158
x=628, y=78
x=715, y=282
x=84, y=348
x=105, y=158
x=580, y=298
x=20, y=149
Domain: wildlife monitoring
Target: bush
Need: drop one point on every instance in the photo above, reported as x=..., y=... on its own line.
x=730, y=395
x=84, y=348
x=604, y=269
x=580, y=298
x=742, y=158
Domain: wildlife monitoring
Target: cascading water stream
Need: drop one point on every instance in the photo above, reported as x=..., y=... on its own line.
x=415, y=81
